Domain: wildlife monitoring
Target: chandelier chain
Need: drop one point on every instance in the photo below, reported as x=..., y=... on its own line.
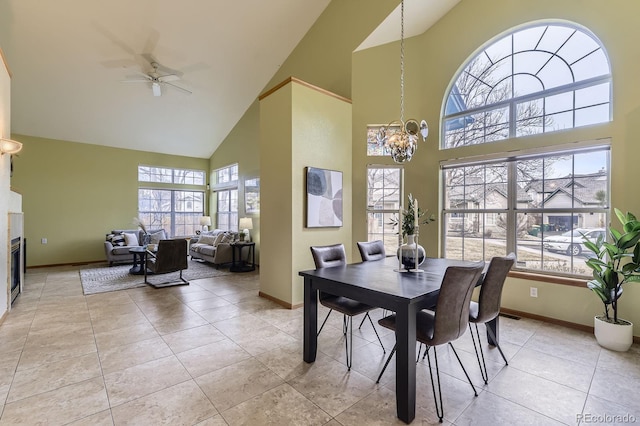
x=402, y=61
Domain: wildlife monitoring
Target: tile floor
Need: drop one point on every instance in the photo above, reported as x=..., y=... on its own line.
x=214, y=353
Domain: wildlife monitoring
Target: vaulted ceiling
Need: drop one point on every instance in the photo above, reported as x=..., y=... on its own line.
x=69, y=59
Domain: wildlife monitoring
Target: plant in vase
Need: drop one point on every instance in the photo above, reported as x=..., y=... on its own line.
x=145, y=235
x=412, y=216
x=614, y=264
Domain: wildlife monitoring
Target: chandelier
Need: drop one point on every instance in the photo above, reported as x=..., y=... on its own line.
x=400, y=137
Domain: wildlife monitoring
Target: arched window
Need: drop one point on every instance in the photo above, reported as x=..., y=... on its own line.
x=538, y=79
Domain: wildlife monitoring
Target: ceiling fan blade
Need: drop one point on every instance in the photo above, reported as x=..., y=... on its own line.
x=182, y=89
x=135, y=80
x=169, y=77
x=156, y=89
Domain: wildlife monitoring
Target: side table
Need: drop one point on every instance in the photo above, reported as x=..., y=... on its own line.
x=243, y=265
x=139, y=260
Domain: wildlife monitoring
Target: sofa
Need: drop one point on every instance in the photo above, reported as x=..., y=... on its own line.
x=118, y=242
x=213, y=246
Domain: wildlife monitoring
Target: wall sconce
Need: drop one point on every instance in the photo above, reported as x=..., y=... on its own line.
x=205, y=222
x=245, y=224
x=8, y=146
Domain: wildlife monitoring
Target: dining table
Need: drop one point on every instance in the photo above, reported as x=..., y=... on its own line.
x=378, y=283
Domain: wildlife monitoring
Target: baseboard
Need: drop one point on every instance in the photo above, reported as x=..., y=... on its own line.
x=280, y=302
x=4, y=317
x=53, y=265
x=573, y=325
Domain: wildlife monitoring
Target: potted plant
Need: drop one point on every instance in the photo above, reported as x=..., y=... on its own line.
x=407, y=228
x=616, y=263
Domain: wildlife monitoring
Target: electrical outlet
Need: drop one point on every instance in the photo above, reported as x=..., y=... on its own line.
x=44, y=241
x=533, y=291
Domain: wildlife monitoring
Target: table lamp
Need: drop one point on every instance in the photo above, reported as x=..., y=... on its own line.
x=245, y=224
x=205, y=222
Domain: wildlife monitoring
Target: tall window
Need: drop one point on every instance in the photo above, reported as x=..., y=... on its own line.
x=384, y=195
x=176, y=211
x=226, y=189
x=540, y=79
x=540, y=204
x=557, y=199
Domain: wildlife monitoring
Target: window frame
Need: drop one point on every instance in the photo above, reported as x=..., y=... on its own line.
x=511, y=103
x=512, y=210
x=221, y=184
x=173, y=213
x=369, y=210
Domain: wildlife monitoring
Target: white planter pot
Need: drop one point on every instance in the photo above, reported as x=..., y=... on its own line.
x=617, y=337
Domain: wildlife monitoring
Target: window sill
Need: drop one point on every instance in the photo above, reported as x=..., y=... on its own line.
x=574, y=282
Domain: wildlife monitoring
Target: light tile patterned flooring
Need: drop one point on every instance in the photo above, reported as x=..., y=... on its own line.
x=214, y=353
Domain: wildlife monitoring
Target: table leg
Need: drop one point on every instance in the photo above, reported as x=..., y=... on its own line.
x=493, y=326
x=406, y=363
x=310, y=321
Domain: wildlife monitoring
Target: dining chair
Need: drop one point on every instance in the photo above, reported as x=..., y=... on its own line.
x=487, y=308
x=371, y=250
x=170, y=257
x=327, y=257
x=444, y=325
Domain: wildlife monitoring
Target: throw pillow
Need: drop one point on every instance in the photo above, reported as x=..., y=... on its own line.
x=226, y=238
x=131, y=239
x=156, y=237
x=207, y=239
x=117, y=240
x=218, y=238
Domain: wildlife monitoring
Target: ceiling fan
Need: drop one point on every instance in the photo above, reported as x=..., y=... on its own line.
x=157, y=80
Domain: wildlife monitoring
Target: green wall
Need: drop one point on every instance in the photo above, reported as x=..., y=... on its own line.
x=434, y=58
x=300, y=127
x=75, y=193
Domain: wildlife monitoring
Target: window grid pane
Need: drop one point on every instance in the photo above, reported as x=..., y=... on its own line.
x=557, y=199
x=512, y=70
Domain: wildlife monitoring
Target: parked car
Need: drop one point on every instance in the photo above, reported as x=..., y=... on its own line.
x=572, y=242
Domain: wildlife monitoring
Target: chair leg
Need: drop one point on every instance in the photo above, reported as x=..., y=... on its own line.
x=463, y=369
x=436, y=398
x=497, y=345
x=482, y=364
x=348, y=343
x=376, y=331
x=393, y=351
x=323, y=322
x=364, y=318
x=345, y=325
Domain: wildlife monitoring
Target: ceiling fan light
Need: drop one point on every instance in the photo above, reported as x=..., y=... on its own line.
x=156, y=89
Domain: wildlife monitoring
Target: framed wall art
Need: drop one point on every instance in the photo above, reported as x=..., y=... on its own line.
x=252, y=195
x=324, y=198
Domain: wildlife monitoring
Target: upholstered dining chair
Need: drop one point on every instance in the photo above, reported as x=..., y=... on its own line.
x=487, y=307
x=327, y=257
x=371, y=250
x=170, y=257
x=444, y=325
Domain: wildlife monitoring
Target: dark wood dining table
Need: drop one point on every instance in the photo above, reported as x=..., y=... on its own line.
x=377, y=284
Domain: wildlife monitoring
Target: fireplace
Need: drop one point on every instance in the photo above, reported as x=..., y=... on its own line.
x=16, y=267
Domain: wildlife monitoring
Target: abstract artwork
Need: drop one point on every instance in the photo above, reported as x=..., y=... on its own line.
x=324, y=198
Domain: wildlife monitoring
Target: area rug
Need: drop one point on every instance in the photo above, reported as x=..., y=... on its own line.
x=102, y=280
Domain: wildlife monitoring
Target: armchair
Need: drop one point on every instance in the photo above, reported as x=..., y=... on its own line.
x=170, y=257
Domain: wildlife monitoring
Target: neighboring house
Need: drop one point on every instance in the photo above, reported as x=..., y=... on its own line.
x=578, y=191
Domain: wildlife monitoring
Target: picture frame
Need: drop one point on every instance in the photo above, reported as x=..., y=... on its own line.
x=324, y=198
x=252, y=195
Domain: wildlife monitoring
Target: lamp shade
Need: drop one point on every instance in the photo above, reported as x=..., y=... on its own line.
x=8, y=146
x=205, y=221
x=245, y=223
